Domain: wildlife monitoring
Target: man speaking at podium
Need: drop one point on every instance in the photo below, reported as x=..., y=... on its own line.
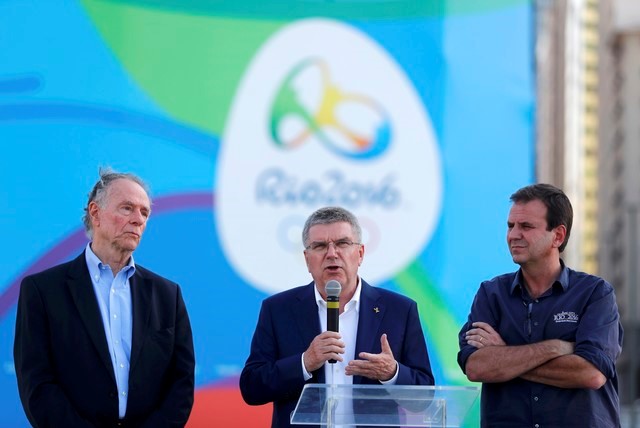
x=380, y=339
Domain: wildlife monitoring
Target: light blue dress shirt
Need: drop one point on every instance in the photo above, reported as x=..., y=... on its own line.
x=114, y=300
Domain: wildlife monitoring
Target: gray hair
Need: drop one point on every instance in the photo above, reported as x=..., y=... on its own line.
x=330, y=215
x=101, y=189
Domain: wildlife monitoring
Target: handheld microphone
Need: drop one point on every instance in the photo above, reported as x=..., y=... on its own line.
x=333, y=289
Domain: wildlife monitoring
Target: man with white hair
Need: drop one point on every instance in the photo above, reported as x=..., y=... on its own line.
x=101, y=341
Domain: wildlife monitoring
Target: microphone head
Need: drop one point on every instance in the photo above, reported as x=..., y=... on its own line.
x=333, y=288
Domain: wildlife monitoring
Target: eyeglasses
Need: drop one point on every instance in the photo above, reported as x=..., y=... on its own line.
x=323, y=247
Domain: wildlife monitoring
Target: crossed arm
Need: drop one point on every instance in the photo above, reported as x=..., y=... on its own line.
x=551, y=362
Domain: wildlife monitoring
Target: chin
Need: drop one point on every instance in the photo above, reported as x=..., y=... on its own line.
x=519, y=261
x=338, y=278
x=129, y=246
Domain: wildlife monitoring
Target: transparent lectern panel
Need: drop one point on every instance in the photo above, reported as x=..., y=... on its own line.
x=382, y=405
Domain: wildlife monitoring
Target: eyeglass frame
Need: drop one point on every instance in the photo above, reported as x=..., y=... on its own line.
x=314, y=246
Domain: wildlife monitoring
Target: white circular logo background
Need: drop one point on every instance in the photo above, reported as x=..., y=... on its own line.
x=324, y=116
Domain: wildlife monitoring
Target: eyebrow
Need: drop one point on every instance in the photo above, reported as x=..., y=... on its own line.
x=129, y=202
x=521, y=223
x=334, y=240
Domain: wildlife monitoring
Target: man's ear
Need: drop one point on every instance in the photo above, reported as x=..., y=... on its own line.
x=93, y=211
x=306, y=260
x=560, y=233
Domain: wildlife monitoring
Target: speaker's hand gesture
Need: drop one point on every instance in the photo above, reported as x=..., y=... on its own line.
x=380, y=366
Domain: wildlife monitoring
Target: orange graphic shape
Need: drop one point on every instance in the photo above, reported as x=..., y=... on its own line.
x=224, y=407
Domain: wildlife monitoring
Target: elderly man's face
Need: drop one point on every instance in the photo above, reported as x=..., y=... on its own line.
x=122, y=221
x=334, y=259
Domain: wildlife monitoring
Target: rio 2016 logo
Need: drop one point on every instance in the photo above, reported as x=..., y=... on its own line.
x=333, y=118
x=324, y=116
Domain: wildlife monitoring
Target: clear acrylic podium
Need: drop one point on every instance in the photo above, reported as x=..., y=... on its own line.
x=382, y=405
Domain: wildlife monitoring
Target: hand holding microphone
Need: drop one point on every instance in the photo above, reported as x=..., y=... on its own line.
x=333, y=289
x=327, y=342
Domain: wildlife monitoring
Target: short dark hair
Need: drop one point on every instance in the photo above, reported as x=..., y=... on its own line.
x=99, y=192
x=559, y=209
x=330, y=215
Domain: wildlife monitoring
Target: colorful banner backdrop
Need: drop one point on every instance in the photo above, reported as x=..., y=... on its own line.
x=245, y=117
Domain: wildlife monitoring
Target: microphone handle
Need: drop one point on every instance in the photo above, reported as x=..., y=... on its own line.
x=333, y=315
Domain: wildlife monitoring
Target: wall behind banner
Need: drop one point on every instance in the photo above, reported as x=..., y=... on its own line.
x=245, y=117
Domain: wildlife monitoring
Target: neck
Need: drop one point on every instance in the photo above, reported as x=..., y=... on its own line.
x=116, y=259
x=538, y=279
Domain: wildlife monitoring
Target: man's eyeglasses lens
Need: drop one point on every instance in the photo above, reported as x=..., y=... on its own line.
x=324, y=246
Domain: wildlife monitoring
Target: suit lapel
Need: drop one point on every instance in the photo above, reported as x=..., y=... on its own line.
x=305, y=312
x=369, y=320
x=141, y=292
x=84, y=298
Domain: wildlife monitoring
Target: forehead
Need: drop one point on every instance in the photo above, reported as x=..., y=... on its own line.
x=327, y=232
x=532, y=211
x=126, y=190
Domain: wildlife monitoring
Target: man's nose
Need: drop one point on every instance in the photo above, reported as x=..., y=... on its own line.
x=332, y=249
x=137, y=217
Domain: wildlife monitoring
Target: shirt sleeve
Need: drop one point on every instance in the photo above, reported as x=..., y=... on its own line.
x=480, y=311
x=599, y=334
x=305, y=373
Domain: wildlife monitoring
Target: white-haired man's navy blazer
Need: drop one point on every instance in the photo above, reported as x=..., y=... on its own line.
x=65, y=374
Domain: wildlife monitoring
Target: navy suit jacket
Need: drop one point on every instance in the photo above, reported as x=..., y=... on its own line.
x=287, y=324
x=65, y=375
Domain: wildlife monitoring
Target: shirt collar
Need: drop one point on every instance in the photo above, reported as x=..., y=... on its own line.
x=96, y=266
x=354, y=300
x=562, y=279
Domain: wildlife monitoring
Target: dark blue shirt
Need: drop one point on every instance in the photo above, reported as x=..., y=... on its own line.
x=578, y=308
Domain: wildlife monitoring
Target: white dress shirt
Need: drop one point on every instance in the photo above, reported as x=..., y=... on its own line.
x=348, y=329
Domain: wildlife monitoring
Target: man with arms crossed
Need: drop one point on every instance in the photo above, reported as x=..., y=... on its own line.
x=101, y=341
x=543, y=340
x=380, y=339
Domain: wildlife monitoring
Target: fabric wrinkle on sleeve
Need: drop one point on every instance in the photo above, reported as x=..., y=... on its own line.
x=599, y=335
x=480, y=311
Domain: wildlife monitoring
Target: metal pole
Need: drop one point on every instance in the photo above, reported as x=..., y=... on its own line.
x=633, y=306
x=331, y=402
